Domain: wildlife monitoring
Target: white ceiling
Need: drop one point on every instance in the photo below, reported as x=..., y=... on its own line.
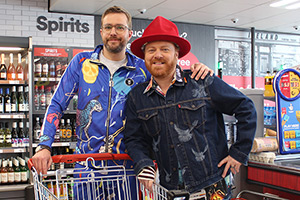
x=250, y=13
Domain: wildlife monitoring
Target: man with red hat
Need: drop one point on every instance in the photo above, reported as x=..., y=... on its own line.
x=178, y=121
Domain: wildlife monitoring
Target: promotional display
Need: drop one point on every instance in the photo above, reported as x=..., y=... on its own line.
x=287, y=93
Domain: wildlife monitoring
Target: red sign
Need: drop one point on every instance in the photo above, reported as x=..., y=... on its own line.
x=186, y=61
x=50, y=52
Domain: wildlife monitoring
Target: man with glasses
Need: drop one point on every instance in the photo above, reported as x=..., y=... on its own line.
x=102, y=79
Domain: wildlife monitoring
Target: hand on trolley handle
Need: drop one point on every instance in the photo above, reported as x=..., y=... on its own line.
x=231, y=164
x=42, y=161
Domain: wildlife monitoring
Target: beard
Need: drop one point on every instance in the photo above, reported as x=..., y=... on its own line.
x=114, y=48
x=161, y=71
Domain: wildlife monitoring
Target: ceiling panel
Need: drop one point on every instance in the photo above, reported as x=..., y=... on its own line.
x=251, y=13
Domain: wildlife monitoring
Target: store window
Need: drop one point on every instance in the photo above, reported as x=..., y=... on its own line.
x=273, y=52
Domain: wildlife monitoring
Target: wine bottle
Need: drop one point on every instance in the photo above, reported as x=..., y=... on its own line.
x=2, y=101
x=20, y=70
x=37, y=130
x=7, y=101
x=14, y=135
x=7, y=134
x=21, y=99
x=42, y=98
x=14, y=100
x=11, y=71
x=2, y=135
x=3, y=68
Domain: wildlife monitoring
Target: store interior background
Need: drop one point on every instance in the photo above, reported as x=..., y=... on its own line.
x=219, y=31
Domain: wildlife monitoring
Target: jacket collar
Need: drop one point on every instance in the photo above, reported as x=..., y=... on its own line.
x=178, y=80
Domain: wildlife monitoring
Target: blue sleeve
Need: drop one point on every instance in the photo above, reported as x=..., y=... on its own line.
x=66, y=89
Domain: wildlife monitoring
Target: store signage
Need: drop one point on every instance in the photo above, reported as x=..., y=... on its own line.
x=43, y=24
x=50, y=52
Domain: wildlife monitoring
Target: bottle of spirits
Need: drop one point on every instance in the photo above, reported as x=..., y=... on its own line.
x=2, y=101
x=7, y=101
x=21, y=99
x=4, y=174
x=52, y=70
x=45, y=68
x=14, y=135
x=10, y=173
x=7, y=134
x=68, y=131
x=62, y=129
x=17, y=171
x=21, y=134
x=48, y=96
x=38, y=69
x=58, y=69
x=26, y=98
x=2, y=135
x=37, y=130
x=14, y=100
x=42, y=98
x=3, y=68
x=20, y=69
x=36, y=98
x=11, y=71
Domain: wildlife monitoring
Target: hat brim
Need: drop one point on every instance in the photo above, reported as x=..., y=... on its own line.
x=136, y=45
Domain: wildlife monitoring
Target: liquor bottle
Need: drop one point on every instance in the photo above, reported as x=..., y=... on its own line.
x=52, y=70
x=7, y=101
x=14, y=100
x=21, y=134
x=3, y=69
x=2, y=135
x=2, y=101
x=74, y=136
x=38, y=69
x=7, y=134
x=26, y=139
x=42, y=98
x=45, y=68
x=48, y=96
x=36, y=98
x=20, y=69
x=23, y=170
x=4, y=174
x=11, y=71
x=62, y=129
x=14, y=135
x=21, y=99
x=26, y=98
x=37, y=130
x=68, y=131
x=26, y=71
x=58, y=69
x=17, y=171
x=10, y=173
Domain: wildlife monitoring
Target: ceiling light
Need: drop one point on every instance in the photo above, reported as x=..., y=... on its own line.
x=282, y=3
x=11, y=49
x=293, y=6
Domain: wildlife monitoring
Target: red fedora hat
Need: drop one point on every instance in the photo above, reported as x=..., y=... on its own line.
x=160, y=29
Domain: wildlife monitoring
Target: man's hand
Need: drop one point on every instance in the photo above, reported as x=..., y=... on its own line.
x=200, y=71
x=231, y=163
x=146, y=177
x=42, y=161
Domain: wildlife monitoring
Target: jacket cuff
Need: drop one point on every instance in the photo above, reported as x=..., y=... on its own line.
x=238, y=155
x=139, y=166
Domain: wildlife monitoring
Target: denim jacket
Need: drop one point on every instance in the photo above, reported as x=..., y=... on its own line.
x=185, y=131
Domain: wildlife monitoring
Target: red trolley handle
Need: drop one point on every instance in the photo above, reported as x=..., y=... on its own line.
x=70, y=158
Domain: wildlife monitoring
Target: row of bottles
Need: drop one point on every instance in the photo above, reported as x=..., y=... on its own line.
x=18, y=136
x=12, y=102
x=13, y=171
x=42, y=97
x=50, y=67
x=12, y=72
x=64, y=133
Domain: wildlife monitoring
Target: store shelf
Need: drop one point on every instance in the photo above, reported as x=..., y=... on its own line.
x=13, y=187
x=13, y=116
x=14, y=82
x=59, y=144
x=44, y=79
x=13, y=150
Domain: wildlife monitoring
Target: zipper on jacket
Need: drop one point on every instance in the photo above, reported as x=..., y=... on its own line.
x=111, y=83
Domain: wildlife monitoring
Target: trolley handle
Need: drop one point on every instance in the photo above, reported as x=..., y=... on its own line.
x=82, y=157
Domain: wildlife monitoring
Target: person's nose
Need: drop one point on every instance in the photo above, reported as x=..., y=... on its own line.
x=158, y=54
x=113, y=31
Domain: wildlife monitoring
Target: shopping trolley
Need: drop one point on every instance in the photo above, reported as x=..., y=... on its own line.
x=107, y=182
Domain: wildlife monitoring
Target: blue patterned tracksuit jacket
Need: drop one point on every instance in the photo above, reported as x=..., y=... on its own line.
x=101, y=99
